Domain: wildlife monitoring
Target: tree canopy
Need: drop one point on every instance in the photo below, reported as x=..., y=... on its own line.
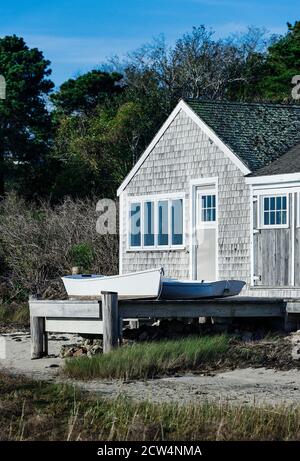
x=83, y=138
x=25, y=122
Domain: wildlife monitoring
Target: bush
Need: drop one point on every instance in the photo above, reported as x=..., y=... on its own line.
x=40, y=243
x=82, y=255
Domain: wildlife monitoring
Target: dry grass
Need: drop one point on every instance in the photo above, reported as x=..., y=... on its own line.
x=42, y=411
x=37, y=245
x=15, y=314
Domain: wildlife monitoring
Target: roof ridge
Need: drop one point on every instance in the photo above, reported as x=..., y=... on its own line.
x=242, y=103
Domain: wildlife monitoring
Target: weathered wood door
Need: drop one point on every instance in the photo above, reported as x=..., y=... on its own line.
x=206, y=233
x=272, y=245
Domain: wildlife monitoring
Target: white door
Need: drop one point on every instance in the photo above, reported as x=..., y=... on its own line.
x=205, y=245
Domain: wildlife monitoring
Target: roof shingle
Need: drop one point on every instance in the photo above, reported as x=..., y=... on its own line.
x=258, y=133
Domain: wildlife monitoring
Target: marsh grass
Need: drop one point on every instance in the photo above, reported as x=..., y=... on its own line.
x=43, y=411
x=148, y=360
x=11, y=313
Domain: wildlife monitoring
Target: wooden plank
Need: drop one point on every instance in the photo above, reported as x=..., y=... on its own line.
x=111, y=325
x=73, y=325
x=65, y=308
x=293, y=307
x=37, y=337
x=258, y=307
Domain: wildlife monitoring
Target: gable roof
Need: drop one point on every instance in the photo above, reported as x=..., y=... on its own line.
x=183, y=106
x=258, y=133
x=252, y=135
x=287, y=163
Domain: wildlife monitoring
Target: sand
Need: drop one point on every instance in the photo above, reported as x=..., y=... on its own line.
x=239, y=386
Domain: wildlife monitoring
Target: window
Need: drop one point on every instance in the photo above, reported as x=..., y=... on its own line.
x=148, y=224
x=177, y=222
x=208, y=208
x=163, y=223
x=156, y=223
x=135, y=224
x=274, y=211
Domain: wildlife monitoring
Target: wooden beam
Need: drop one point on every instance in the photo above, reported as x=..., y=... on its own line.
x=74, y=325
x=37, y=337
x=111, y=325
x=65, y=308
x=243, y=307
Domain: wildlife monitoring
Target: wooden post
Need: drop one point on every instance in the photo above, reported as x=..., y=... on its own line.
x=110, y=320
x=37, y=337
x=39, y=343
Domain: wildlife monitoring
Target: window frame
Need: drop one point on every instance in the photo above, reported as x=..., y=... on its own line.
x=206, y=224
x=261, y=209
x=155, y=199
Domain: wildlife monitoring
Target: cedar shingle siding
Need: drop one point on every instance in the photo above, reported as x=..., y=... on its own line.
x=183, y=153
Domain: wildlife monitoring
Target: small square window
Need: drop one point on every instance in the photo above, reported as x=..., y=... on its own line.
x=274, y=210
x=208, y=208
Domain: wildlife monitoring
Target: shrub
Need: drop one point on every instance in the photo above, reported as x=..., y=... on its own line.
x=39, y=244
x=82, y=255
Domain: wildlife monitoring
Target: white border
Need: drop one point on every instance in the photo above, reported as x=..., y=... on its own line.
x=194, y=183
x=182, y=105
x=156, y=198
x=260, y=210
x=276, y=179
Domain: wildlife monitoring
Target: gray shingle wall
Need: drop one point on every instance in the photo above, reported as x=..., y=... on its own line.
x=183, y=153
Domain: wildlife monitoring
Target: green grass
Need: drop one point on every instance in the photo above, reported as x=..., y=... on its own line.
x=43, y=411
x=14, y=313
x=148, y=360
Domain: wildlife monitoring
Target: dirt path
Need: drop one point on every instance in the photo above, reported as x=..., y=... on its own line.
x=240, y=386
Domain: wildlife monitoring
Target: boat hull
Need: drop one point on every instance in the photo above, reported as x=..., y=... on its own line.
x=194, y=289
x=144, y=284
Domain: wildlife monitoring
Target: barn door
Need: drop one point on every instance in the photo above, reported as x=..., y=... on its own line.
x=206, y=233
x=272, y=239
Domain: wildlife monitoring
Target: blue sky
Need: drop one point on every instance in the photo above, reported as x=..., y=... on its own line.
x=78, y=35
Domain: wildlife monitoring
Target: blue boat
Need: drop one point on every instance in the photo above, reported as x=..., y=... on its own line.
x=196, y=289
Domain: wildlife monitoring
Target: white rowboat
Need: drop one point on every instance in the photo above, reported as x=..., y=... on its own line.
x=148, y=284
x=144, y=284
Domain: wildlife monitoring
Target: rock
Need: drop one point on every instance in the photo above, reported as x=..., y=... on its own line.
x=79, y=352
x=96, y=350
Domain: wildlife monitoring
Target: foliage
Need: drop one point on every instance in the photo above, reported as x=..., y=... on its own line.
x=33, y=410
x=36, y=242
x=86, y=92
x=25, y=123
x=82, y=255
x=150, y=359
x=283, y=63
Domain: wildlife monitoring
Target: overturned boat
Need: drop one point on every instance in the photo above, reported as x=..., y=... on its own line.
x=144, y=284
x=195, y=289
x=148, y=284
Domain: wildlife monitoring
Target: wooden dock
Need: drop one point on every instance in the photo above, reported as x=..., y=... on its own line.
x=105, y=316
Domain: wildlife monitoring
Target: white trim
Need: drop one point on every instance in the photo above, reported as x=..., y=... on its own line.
x=121, y=235
x=293, y=224
x=155, y=198
x=194, y=183
x=260, y=210
x=182, y=105
x=252, y=199
x=274, y=179
x=298, y=209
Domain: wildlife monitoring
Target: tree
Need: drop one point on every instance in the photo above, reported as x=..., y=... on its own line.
x=93, y=152
x=83, y=94
x=283, y=62
x=25, y=124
